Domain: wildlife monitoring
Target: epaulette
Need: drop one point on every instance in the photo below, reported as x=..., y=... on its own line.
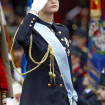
x=60, y=24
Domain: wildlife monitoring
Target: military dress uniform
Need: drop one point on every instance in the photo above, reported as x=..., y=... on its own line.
x=37, y=88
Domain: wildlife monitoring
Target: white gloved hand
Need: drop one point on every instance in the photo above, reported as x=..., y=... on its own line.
x=38, y=5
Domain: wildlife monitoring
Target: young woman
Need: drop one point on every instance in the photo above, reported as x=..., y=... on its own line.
x=47, y=51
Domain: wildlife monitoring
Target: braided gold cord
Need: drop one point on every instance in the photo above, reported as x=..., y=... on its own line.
x=44, y=57
x=30, y=48
x=50, y=72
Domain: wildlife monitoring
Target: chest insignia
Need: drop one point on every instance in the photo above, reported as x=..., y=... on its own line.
x=66, y=41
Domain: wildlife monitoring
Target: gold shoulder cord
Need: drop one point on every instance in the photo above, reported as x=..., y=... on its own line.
x=49, y=49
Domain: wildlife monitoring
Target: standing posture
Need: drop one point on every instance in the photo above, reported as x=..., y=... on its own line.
x=47, y=51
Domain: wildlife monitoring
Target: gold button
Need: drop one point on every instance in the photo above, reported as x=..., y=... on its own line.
x=61, y=76
x=32, y=22
x=62, y=39
x=30, y=25
x=49, y=85
x=61, y=85
x=33, y=18
x=59, y=32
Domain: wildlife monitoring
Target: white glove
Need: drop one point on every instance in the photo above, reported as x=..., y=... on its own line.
x=38, y=5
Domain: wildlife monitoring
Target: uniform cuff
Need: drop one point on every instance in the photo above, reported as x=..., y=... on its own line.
x=31, y=19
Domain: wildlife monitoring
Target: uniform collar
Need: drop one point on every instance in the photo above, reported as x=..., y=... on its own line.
x=87, y=91
x=53, y=25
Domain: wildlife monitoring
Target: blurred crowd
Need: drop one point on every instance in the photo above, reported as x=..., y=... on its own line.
x=77, y=21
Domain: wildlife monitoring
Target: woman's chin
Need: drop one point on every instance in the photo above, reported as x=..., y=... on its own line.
x=54, y=11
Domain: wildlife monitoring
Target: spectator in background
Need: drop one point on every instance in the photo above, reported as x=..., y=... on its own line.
x=79, y=39
x=19, y=6
x=15, y=11
x=18, y=52
x=78, y=73
x=7, y=8
x=78, y=16
x=16, y=18
x=19, y=9
x=101, y=91
x=87, y=97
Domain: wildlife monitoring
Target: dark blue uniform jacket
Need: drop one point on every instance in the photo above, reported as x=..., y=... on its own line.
x=35, y=89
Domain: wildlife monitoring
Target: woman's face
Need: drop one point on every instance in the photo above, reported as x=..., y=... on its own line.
x=51, y=6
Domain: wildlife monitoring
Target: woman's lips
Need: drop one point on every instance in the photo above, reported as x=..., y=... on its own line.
x=53, y=6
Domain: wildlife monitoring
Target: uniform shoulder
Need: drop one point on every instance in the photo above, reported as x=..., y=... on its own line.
x=58, y=24
x=62, y=26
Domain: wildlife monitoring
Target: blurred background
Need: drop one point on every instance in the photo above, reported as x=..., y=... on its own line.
x=86, y=22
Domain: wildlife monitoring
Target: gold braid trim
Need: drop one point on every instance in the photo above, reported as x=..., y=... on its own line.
x=30, y=48
x=44, y=57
